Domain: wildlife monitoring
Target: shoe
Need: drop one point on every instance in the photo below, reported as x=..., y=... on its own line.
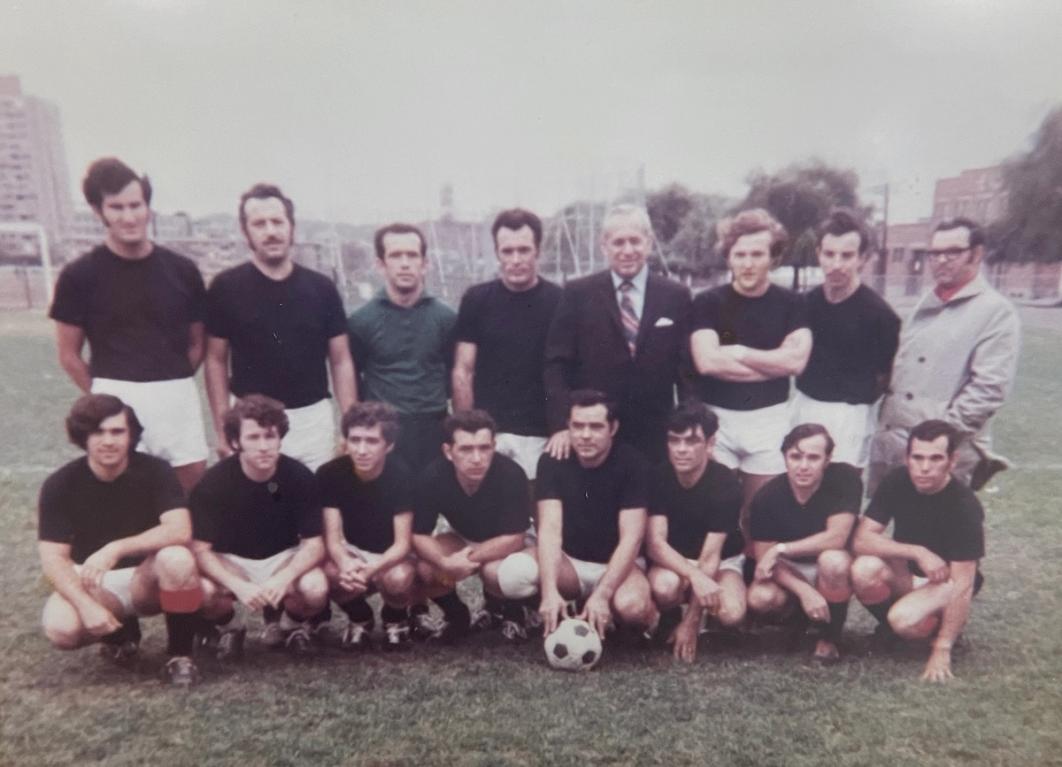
x=230, y=645
x=396, y=636
x=513, y=632
x=298, y=642
x=884, y=639
x=357, y=636
x=483, y=619
x=450, y=632
x=273, y=636
x=532, y=618
x=422, y=626
x=207, y=637
x=325, y=635
x=180, y=671
x=122, y=654
x=826, y=653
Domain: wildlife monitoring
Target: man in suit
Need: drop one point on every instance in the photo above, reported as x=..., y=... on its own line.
x=623, y=332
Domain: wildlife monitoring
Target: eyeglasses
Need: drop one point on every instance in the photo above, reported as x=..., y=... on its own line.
x=948, y=254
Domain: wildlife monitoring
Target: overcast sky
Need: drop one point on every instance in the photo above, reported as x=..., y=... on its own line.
x=363, y=110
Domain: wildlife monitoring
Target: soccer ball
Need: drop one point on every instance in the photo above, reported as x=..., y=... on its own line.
x=574, y=646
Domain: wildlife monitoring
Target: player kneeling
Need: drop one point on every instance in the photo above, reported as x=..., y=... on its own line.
x=800, y=523
x=919, y=583
x=591, y=523
x=368, y=524
x=693, y=537
x=485, y=500
x=257, y=529
x=113, y=527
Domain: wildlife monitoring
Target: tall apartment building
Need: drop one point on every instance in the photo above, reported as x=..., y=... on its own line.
x=34, y=178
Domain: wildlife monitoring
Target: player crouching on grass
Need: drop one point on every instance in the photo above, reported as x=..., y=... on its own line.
x=257, y=530
x=485, y=500
x=693, y=538
x=368, y=526
x=920, y=582
x=591, y=523
x=113, y=530
x=800, y=523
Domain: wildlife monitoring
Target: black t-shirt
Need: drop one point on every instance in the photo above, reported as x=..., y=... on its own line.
x=854, y=344
x=135, y=313
x=509, y=330
x=759, y=323
x=79, y=509
x=255, y=520
x=710, y=506
x=500, y=506
x=593, y=498
x=949, y=523
x=776, y=515
x=368, y=509
x=278, y=331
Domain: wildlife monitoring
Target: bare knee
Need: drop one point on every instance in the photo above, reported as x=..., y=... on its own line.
x=666, y=587
x=175, y=566
x=633, y=606
x=911, y=624
x=869, y=572
x=62, y=626
x=398, y=581
x=731, y=609
x=835, y=565
x=765, y=598
x=312, y=587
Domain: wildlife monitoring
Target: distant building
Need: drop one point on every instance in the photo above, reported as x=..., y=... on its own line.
x=34, y=178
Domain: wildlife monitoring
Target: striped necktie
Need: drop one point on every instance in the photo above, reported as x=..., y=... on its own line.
x=628, y=315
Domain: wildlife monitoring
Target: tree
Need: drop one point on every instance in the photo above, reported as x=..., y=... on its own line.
x=800, y=196
x=684, y=224
x=1031, y=228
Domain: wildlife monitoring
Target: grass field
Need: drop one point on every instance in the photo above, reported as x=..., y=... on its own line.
x=488, y=704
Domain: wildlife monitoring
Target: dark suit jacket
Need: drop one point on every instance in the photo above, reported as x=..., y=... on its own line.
x=585, y=349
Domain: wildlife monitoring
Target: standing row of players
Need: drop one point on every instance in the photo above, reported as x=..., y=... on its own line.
x=630, y=544
x=524, y=345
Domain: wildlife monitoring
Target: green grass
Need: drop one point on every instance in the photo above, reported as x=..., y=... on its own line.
x=485, y=703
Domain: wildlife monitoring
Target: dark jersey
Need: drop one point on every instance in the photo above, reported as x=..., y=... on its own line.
x=759, y=323
x=593, y=498
x=712, y=505
x=500, y=506
x=949, y=523
x=368, y=509
x=854, y=344
x=255, y=520
x=82, y=510
x=278, y=331
x=135, y=313
x=776, y=515
x=509, y=330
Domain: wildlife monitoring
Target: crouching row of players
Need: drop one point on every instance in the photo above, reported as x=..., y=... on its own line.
x=260, y=532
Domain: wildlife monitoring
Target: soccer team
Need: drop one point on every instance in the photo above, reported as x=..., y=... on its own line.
x=615, y=443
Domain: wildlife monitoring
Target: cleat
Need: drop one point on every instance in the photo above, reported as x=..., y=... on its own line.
x=513, y=632
x=298, y=642
x=450, y=632
x=483, y=619
x=324, y=635
x=396, y=636
x=180, y=671
x=230, y=645
x=207, y=638
x=826, y=653
x=532, y=618
x=422, y=626
x=122, y=654
x=357, y=636
x=273, y=636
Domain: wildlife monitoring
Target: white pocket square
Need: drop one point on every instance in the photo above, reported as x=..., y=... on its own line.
x=664, y=322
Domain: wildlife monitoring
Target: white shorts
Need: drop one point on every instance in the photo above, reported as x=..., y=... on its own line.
x=311, y=436
x=258, y=571
x=751, y=440
x=170, y=413
x=734, y=564
x=851, y=426
x=809, y=571
x=119, y=583
x=522, y=449
x=590, y=573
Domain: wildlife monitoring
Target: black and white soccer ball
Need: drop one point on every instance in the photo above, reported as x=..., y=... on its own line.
x=574, y=646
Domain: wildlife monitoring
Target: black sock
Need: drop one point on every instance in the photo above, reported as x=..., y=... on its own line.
x=325, y=616
x=512, y=610
x=271, y=614
x=180, y=632
x=393, y=614
x=881, y=611
x=358, y=610
x=453, y=608
x=838, y=615
x=492, y=604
